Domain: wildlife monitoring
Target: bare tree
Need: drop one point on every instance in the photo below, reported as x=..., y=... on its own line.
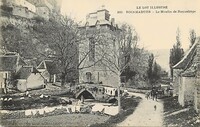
x=61, y=41
x=116, y=50
x=113, y=49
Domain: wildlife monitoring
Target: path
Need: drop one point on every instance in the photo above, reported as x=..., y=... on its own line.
x=177, y=112
x=145, y=115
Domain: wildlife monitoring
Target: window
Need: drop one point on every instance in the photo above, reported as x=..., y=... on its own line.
x=98, y=24
x=5, y=75
x=88, y=76
x=91, y=49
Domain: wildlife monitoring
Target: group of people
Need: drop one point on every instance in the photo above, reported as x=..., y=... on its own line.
x=152, y=94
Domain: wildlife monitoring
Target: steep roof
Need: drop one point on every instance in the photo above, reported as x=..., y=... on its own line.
x=50, y=66
x=26, y=71
x=188, y=57
x=10, y=62
x=190, y=72
x=31, y=62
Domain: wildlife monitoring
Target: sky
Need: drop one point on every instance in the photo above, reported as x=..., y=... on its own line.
x=156, y=31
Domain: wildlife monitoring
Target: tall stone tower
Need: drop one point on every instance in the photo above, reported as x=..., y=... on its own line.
x=98, y=25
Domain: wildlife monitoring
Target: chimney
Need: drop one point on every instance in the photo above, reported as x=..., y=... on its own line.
x=113, y=21
x=87, y=17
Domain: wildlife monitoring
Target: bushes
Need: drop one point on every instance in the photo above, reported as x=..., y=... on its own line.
x=171, y=104
x=128, y=103
x=6, y=8
x=28, y=103
x=38, y=19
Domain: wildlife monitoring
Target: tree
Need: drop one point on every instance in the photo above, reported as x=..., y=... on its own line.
x=192, y=37
x=113, y=48
x=118, y=51
x=136, y=72
x=58, y=40
x=150, y=69
x=117, y=56
x=11, y=38
x=61, y=41
x=176, y=53
x=156, y=72
x=15, y=39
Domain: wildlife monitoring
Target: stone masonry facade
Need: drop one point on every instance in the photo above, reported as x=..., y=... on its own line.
x=197, y=87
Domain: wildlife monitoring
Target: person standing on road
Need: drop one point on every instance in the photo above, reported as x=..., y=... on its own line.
x=155, y=107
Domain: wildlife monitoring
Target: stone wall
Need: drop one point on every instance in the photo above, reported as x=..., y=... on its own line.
x=105, y=77
x=43, y=12
x=176, y=81
x=23, y=12
x=197, y=87
x=181, y=90
x=21, y=3
x=35, y=81
x=188, y=90
x=102, y=71
x=4, y=75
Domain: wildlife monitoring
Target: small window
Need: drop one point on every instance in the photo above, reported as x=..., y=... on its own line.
x=98, y=25
x=88, y=76
x=91, y=49
x=5, y=75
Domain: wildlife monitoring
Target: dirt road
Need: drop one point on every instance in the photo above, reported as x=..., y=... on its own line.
x=145, y=114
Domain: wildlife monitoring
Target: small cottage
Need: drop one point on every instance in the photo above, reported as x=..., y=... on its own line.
x=48, y=70
x=28, y=78
x=10, y=63
x=187, y=76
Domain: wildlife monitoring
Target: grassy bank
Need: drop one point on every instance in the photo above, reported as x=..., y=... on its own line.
x=128, y=106
x=175, y=115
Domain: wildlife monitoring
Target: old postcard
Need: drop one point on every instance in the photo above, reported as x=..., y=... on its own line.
x=100, y=63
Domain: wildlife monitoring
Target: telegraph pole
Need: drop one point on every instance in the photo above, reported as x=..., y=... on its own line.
x=119, y=101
